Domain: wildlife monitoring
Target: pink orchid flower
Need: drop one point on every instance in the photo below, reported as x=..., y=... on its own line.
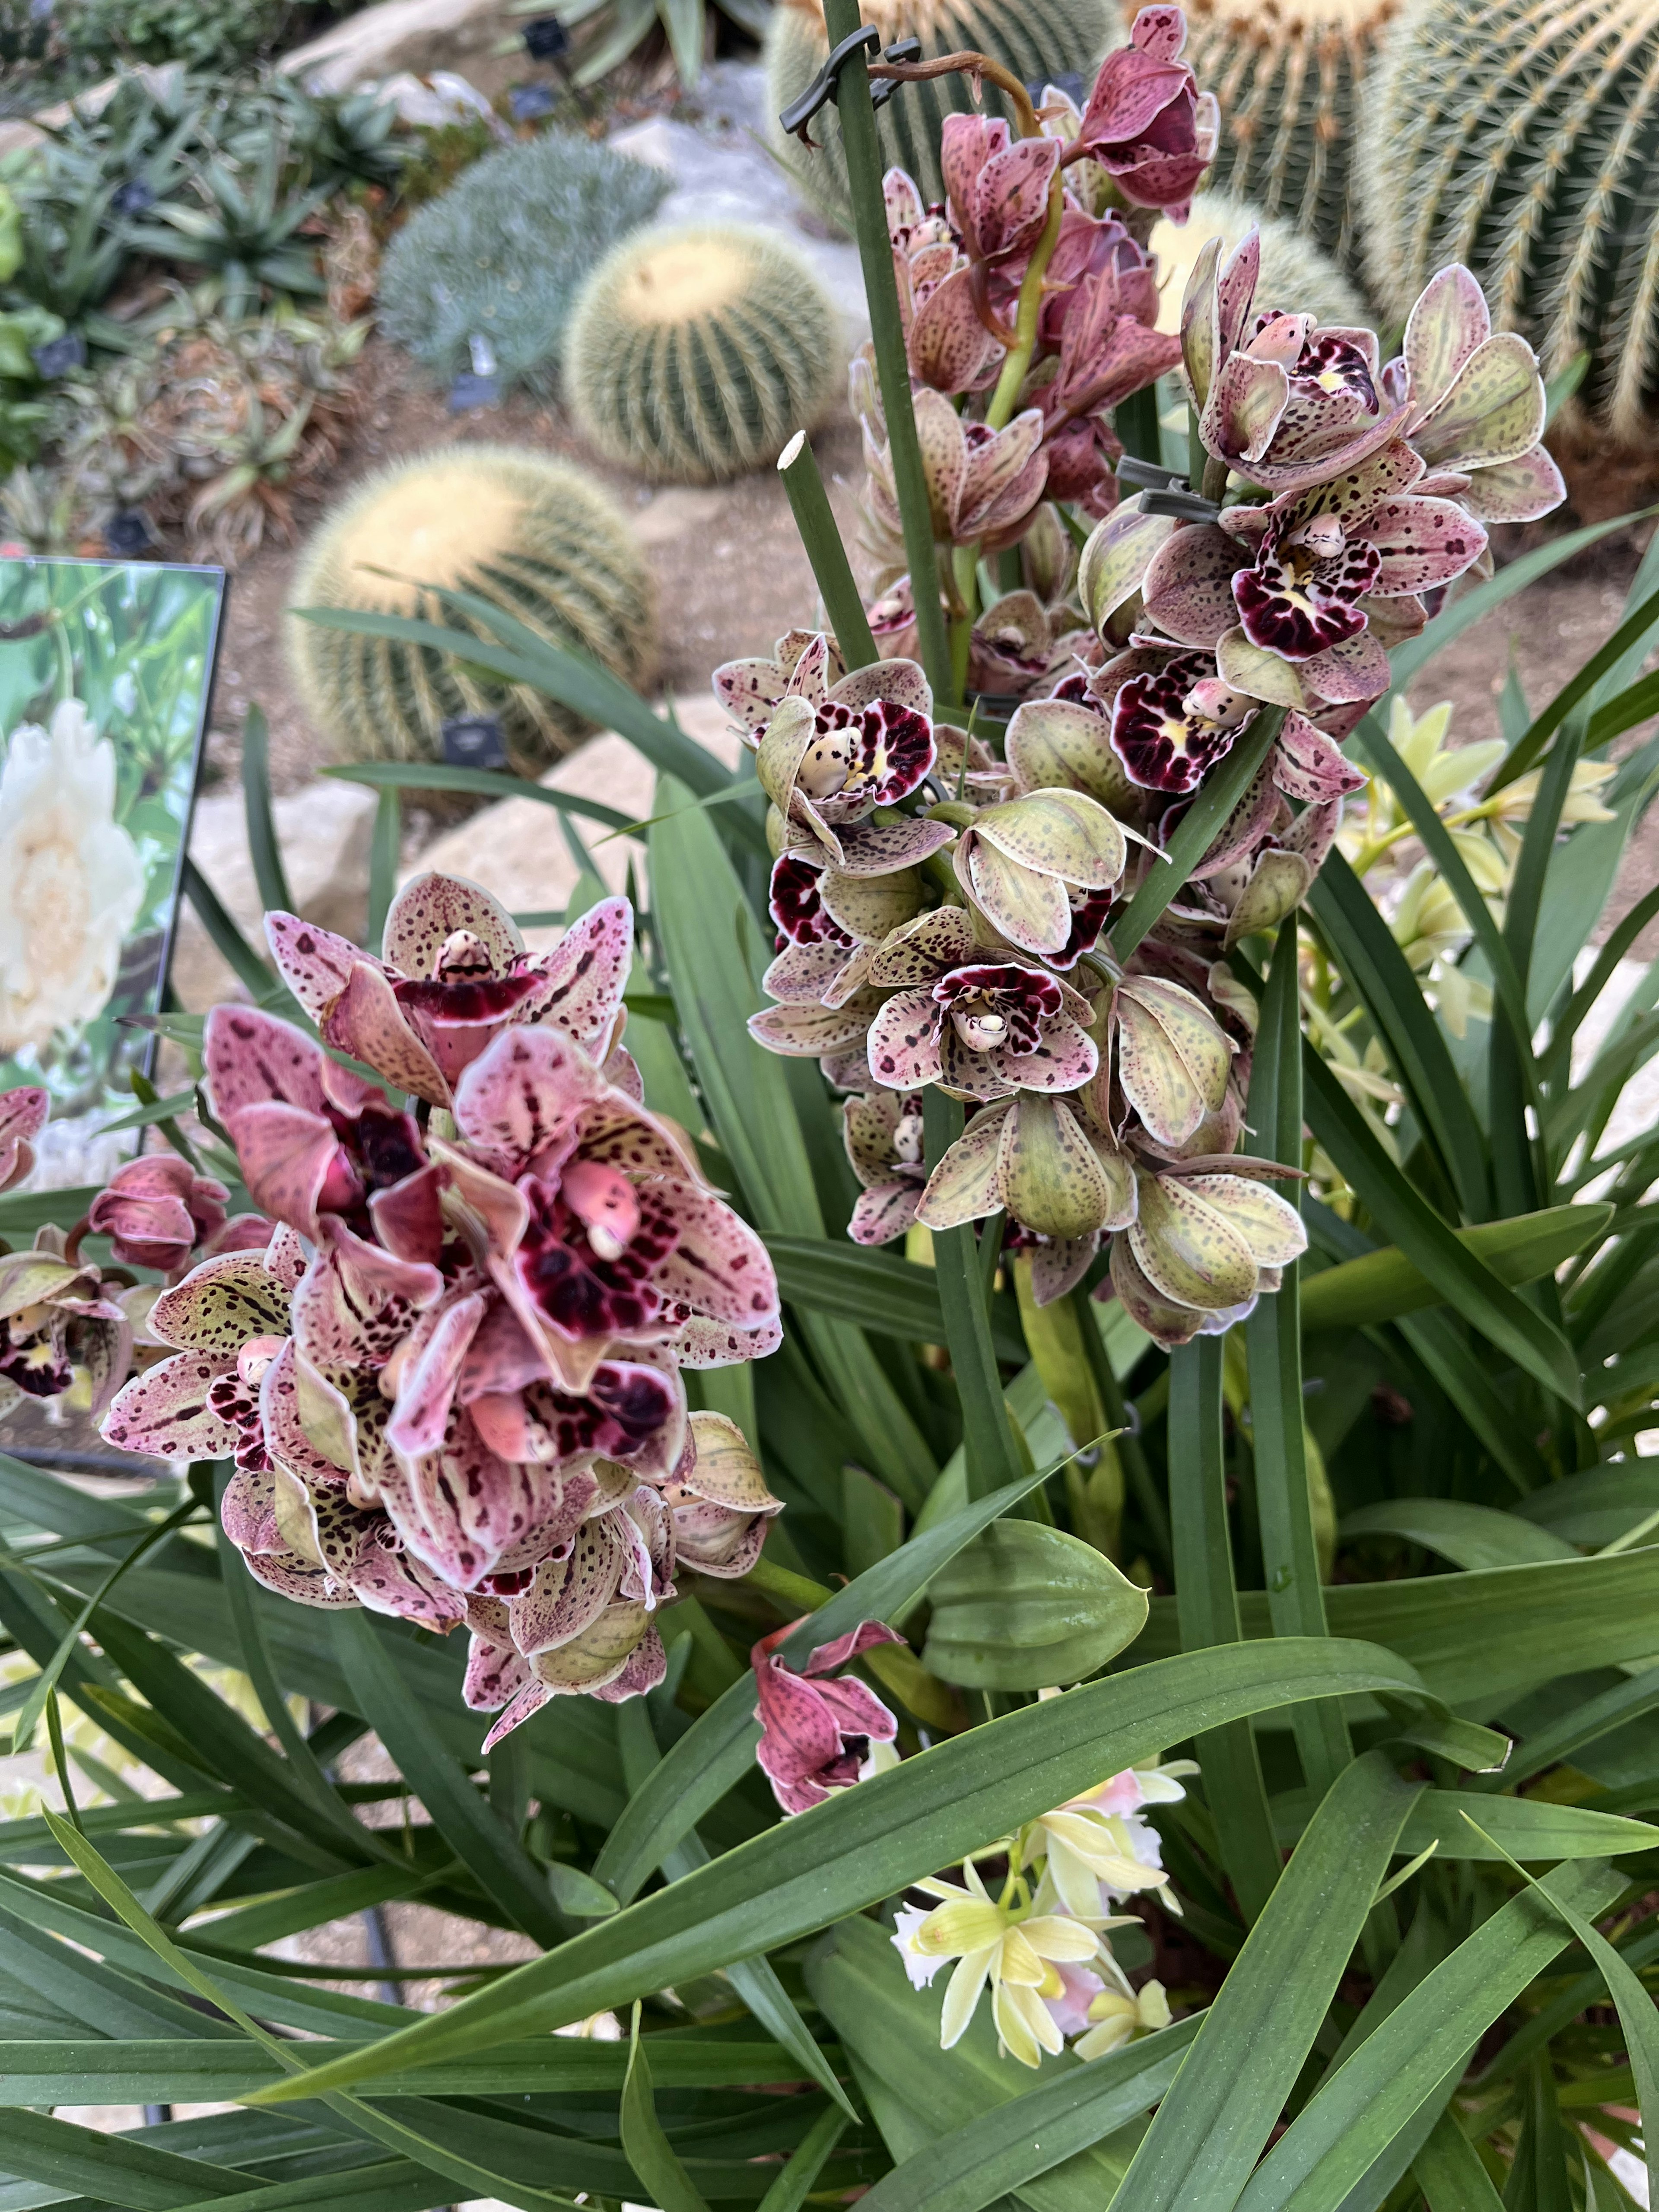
x=814, y=1733
x=22, y=1116
x=1146, y=122
x=454, y=975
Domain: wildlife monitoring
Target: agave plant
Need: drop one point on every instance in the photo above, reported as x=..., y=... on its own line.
x=1141, y=1694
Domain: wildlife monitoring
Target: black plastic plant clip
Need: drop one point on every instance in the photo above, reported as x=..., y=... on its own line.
x=797, y=117
x=1167, y=490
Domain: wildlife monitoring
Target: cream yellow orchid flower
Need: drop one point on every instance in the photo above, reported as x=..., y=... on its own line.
x=1099, y=1840
x=1019, y=1956
x=1120, y=2019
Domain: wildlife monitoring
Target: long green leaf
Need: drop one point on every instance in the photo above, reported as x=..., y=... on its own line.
x=1358, y=2110
x=990, y=1453
x=228, y=940
x=717, y=1750
x=793, y=2185
x=1378, y=972
x=471, y=1827
x=1273, y=1337
x=1460, y=1275
x=1632, y=636
x=1448, y=2169
x=1529, y=1827
x=650, y=2153
x=879, y=1291
x=1382, y=1285
x=264, y=849
x=110, y=2169
x=1207, y=1605
x=480, y=782
x=866, y=1844
x=1471, y=1536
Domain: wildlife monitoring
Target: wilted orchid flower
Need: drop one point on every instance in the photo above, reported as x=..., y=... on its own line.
x=719, y=1500
x=948, y=345
x=58, y=1328
x=156, y=1209
x=816, y=1725
x=22, y=1116
x=973, y=1019
x=454, y=975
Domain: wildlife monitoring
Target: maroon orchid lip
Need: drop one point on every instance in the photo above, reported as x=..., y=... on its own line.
x=796, y=904
x=1328, y=364
x=1296, y=605
x=582, y=1293
x=1089, y=913
x=1161, y=745
x=44, y=1379
x=466, y=999
x=892, y=750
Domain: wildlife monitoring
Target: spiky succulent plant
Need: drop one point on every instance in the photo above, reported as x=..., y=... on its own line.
x=1039, y=40
x=694, y=354
x=536, y=537
x=1513, y=136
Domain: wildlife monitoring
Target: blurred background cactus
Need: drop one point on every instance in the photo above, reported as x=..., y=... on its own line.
x=695, y=353
x=1041, y=40
x=537, y=537
x=500, y=257
x=1292, y=266
x=1288, y=75
x=1518, y=137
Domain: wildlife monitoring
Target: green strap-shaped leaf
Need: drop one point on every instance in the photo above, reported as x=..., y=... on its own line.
x=717, y=1749
x=1381, y=978
x=1471, y=1536
x=471, y=1828
x=865, y=1844
x=1448, y=2169
x=1632, y=636
x=1211, y=2128
x=111, y=2169
x=478, y=782
x=1530, y=1827
x=1358, y=2110
x=650, y=2153
x=1382, y=1284
x=264, y=849
x=792, y=2186
x=1273, y=1337
x=1064, y=2112
x=992, y=1455
x=1404, y=1215
x=1206, y=1609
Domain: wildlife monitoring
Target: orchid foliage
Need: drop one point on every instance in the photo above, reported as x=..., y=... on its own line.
x=1101, y=1553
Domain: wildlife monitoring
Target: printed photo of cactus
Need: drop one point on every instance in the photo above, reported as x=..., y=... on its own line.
x=105, y=672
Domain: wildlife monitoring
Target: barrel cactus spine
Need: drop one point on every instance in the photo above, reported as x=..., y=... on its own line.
x=694, y=353
x=1519, y=139
x=1039, y=40
x=1292, y=267
x=1288, y=76
x=536, y=537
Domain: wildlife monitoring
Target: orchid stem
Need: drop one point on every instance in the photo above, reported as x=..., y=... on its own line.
x=815, y=520
x=795, y=1590
x=964, y=575
x=1006, y=397
x=857, y=130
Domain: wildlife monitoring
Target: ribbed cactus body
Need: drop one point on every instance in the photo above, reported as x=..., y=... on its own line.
x=695, y=353
x=1522, y=139
x=1297, y=276
x=1039, y=40
x=537, y=537
x=1288, y=76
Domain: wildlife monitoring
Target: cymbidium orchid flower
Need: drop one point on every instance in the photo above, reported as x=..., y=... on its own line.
x=22, y=1116
x=454, y=975
x=982, y=484
x=884, y=1139
x=1019, y=1954
x=815, y=1725
x=1207, y=1240
x=1146, y=123
x=59, y=1332
x=1042, y=868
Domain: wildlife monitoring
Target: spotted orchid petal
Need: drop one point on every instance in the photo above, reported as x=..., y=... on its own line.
x=586, y=973
x=884, y=1211
x=1493, y=411
x=367, y=1021
x=967, y=1183
x=1051, y=1178
x=430, y=909
x=1308, y=765
x=314, y=964
x=718, y=1266
x=165, y=1412
x=524, y=1094
x=1422, y=542
x=1277, y=885
x=356, y=1303
x=810, y=1032
x=1066, y=744
x=903, y=1043
x=1116, y=560
x=250, y=1057
x=1173, y=1058
x=1189, y=1249
x=427, y=1392
x=1188, y=586
x=1519, y=490
x=22, y=1116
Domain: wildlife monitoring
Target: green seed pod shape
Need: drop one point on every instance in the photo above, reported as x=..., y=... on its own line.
x=695, y=353
x=1297, y=276
x=535, y=536
x=1288, y=76
x=1521, y=140
x=1039, y=40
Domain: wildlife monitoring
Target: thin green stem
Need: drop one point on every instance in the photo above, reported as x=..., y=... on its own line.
x=1109, y=1391
x=858, y=128
x=790, y=1589
x=1207, y=1608
x=809, y=502
x=965, y=574
x=1006, y=397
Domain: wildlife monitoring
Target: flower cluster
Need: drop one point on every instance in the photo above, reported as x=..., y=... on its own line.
x=1040, y=1942
x=449, y=1370
x=944, y=908
x=1033, y=273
